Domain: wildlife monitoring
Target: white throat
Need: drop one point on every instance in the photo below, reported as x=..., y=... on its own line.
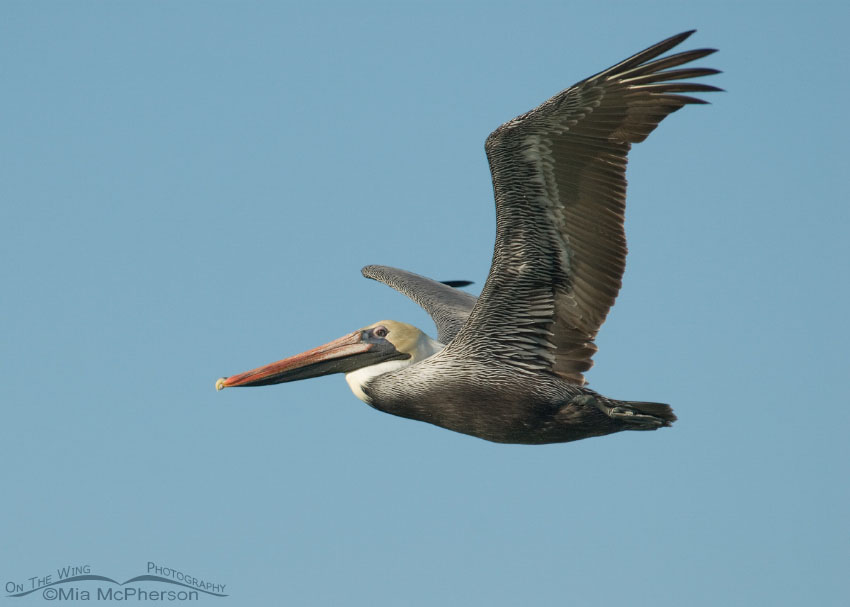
x=425, y=347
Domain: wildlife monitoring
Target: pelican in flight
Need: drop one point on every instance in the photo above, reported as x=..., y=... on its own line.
x=508, y=366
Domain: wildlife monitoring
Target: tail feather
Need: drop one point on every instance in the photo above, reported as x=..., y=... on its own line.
x=654, y=415
x=661, y=410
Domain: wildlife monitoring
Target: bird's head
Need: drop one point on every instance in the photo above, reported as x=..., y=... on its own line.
x=382, y=347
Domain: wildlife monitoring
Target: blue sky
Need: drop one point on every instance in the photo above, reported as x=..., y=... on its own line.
x=190, y=189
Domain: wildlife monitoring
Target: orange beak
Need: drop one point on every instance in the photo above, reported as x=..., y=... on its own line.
x=348, y=353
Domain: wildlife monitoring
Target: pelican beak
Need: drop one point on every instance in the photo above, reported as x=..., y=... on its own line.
x=348, y=353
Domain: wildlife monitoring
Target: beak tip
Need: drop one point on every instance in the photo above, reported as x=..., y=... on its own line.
x=219, y=383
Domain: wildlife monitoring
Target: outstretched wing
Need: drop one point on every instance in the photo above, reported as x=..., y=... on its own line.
x=560, y=187
x=448, y=307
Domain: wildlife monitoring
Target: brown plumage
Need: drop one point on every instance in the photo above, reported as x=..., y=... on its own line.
x=559, y=178
x=512, y=369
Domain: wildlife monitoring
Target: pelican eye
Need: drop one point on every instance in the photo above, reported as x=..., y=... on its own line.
x=380, y=332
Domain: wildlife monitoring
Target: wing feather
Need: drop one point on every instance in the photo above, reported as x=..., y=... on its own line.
x=559, y=178
x=447, y=306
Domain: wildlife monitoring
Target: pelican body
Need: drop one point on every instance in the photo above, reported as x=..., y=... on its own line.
x=508, y=366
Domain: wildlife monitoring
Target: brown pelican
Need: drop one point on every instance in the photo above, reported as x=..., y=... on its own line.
x=508, y=366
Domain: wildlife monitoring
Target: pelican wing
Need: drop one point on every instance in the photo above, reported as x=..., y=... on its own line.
x=560, y=188
x=448, y=307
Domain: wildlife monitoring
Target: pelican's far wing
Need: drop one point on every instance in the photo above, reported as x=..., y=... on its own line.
x=448, y=307
x=560, y=187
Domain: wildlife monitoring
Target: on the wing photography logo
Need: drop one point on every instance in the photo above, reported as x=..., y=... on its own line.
x=80, y=583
